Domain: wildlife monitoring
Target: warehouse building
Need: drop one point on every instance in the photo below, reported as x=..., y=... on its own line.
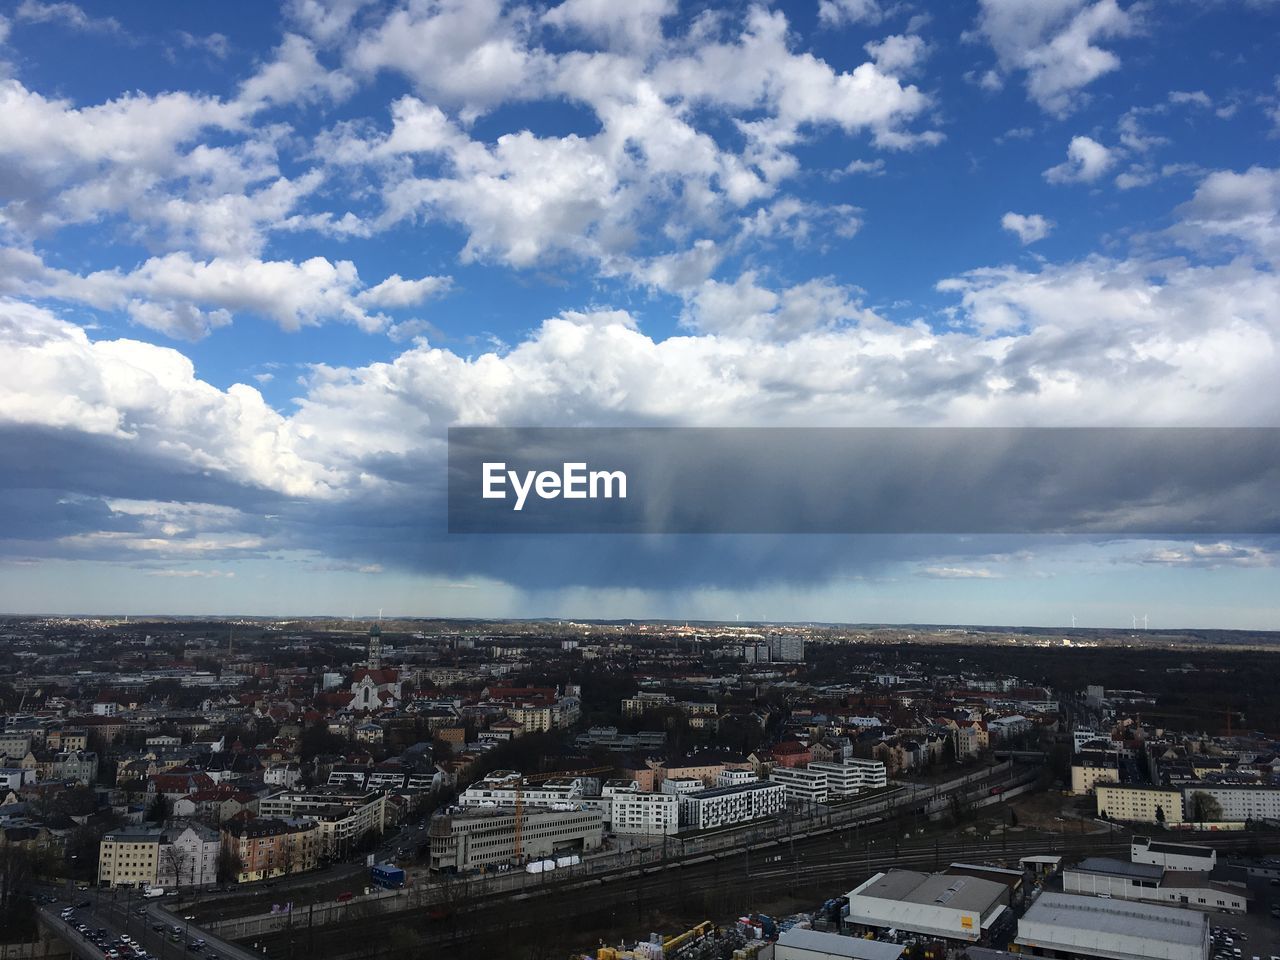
x=1173, y=856
x=474, y=837
x=1102, y=876
x=955, y=908
x=800, y=944
x=721, y=806
x=1063, y=925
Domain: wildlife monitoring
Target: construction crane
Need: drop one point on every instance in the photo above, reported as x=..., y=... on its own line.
x=522, y=779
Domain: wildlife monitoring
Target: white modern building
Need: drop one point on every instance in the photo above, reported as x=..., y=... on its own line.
x=734, y=778
x=850, y=777
x=721, y=806
x=646, y=814
x=499, y=789
x=802, y=784
x=678, y=785
x=1062, y=925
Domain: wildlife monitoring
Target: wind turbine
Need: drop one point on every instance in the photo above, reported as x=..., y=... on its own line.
x=1073, y=621
x=1135, y=621
x=1144, y=621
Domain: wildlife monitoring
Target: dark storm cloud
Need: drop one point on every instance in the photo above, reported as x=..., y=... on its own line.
x=55, y=489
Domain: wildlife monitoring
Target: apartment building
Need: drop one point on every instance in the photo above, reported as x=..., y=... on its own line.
x=499, y=789
x=633, y=812
x=344, y=817
x=721, y=806
x=1131, y=803
x=130, y=856
x=1087, y=774
x=801, y=784
x=1239, y=802
x=848, y=778
x=273, y=847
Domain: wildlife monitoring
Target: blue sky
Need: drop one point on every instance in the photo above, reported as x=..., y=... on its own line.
x=255, y=259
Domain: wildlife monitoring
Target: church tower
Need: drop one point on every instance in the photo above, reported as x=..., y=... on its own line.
x=375, y=647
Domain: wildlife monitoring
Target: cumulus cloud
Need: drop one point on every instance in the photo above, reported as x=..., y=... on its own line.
x=1087, y=160
x=1057, y=44
x=839, y=12
x=186, y=298
x=897, y=54
x=1028, y=228
x=636, y=25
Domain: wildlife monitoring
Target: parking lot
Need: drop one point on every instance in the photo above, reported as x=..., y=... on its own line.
x=1259, y=927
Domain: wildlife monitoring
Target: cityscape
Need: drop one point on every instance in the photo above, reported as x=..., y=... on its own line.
x=640, y=480
x=409, y=788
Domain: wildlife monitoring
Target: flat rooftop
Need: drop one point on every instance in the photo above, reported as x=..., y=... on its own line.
x=938, y=890
x=1128, y=918
x=837, y=945
x=714, y=792
x=1108, y=867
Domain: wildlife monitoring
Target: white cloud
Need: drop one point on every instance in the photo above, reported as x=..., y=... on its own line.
x=67, y=14
x=898, y=54
x=634, y=25
x=1239, y=207
x=1211, y=555
x=836, y=13
x=958, y=573
x=395, y=292
x=186, y=298
x=1056, y=44
x=1087, y=160
x=1027, y=227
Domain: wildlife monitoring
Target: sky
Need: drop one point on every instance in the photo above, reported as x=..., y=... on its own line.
x=256, y=259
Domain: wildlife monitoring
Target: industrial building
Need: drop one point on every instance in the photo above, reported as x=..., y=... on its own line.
x=801, y=944
x=1063, y=925
x=956, y=908
x=1102, y=876
x=721, y=806
x=1173, y=856
x=474, y=837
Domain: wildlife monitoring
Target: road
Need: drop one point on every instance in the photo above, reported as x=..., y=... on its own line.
x=125, y=914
